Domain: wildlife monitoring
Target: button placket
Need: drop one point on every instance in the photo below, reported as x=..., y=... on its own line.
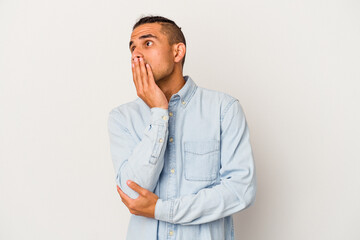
x=171, y=139
x=171, y=189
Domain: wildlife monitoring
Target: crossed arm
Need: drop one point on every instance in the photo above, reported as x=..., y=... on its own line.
x=141, y=162
x=236, y=190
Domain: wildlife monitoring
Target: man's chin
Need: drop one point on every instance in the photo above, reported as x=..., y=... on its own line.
x=156, y=78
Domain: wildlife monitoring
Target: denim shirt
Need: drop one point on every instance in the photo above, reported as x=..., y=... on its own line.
x=195, y=155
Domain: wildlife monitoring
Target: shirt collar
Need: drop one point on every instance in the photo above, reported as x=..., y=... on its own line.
x=187, y=91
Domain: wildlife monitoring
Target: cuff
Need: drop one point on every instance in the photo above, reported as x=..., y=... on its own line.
x=159, y=115
x=164, y=210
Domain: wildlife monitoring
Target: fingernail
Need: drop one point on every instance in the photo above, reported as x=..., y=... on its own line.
x=128, y=182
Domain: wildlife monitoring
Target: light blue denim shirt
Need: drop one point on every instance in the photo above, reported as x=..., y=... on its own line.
x=195, y=155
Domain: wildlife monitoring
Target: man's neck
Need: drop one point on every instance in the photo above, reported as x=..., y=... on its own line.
x=171, y=84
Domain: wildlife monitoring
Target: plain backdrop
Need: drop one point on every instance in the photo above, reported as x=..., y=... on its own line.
x=294, y=66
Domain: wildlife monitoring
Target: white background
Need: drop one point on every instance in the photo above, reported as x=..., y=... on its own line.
x=294, y=66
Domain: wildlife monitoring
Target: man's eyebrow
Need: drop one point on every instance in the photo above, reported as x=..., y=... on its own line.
x=143, y=36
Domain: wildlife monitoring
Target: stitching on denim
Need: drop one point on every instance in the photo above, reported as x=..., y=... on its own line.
x=227, y=108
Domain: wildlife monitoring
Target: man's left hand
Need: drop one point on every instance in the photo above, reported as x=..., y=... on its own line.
x=144, y=205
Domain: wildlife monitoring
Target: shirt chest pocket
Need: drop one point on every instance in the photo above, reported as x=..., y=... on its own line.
x=201, y=160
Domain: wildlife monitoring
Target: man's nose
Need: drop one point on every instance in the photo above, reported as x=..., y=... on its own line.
x=136, y=54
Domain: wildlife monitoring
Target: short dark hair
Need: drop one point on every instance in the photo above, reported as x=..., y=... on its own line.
x=171, y=30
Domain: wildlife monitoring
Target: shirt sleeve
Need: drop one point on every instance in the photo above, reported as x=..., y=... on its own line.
x=141, y=162
x=237, y=187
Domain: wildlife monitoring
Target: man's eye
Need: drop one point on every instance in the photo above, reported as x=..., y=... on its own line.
x=147, y=43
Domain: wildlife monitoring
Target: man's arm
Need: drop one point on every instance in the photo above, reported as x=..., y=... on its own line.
x=141, y=162
x=235, y=192
x=144, y=161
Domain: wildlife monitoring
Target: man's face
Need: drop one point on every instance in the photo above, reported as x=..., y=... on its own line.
x=147, y=41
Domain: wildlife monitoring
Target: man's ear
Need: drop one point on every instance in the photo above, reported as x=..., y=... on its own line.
x=179, y=52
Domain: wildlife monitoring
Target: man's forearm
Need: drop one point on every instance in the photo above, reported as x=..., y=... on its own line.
x=146, y=160
x=208, y=205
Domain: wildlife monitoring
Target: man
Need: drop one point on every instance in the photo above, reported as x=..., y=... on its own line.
x=181, y=153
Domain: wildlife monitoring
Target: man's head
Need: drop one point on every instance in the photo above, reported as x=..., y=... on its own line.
x=160, y=42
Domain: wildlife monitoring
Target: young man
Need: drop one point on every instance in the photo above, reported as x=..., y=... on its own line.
x=181, y=153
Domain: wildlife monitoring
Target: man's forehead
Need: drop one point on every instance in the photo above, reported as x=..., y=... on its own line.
x=147, y=28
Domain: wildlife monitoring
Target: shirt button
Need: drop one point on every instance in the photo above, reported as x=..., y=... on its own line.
x=161, y=140
x=170, y=113
x=165, y=118
x=183, y=102
x=171, y=139
x=172, y=170
x=171, y=233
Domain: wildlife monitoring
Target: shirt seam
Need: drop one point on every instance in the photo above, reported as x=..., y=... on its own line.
x=227, y=108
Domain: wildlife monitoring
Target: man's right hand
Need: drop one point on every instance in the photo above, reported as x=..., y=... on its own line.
x=146, y=87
